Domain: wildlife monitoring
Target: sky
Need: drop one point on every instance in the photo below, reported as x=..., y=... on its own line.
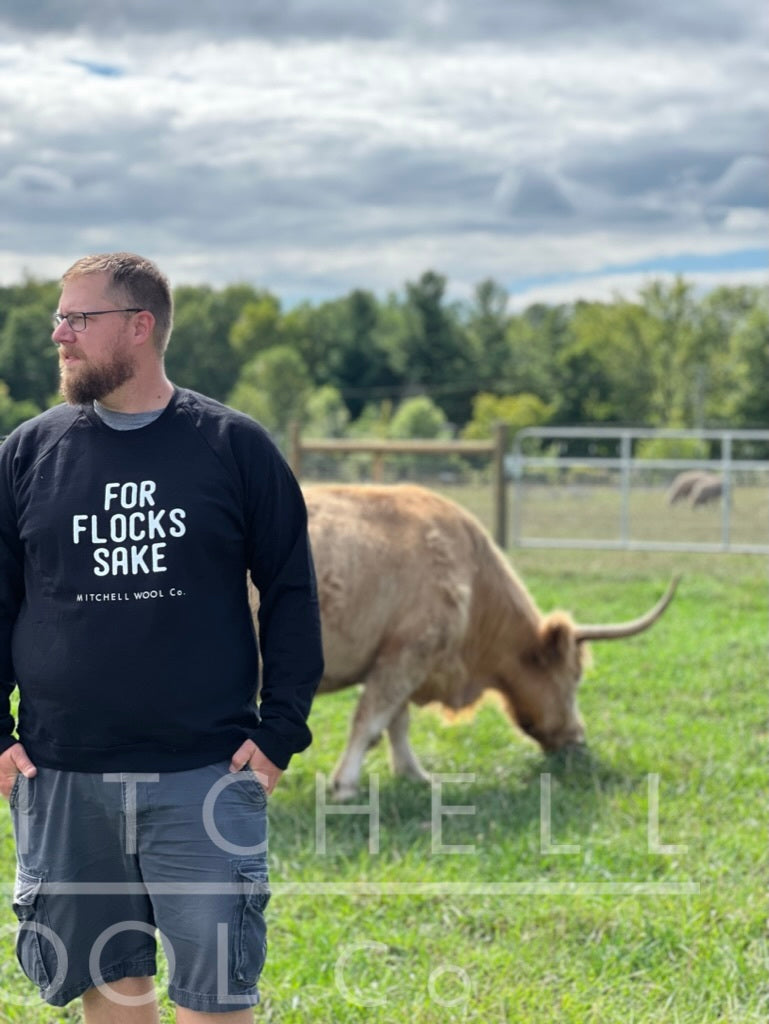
x=565, y=148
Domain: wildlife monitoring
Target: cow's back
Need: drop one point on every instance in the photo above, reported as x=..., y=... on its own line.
x=395, y=571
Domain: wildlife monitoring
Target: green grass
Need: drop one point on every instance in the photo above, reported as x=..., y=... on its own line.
x=594, y=936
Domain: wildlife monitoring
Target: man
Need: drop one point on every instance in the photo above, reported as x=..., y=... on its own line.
x=129, y=519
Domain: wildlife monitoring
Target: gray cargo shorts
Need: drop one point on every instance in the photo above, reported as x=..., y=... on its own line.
x=107, y=860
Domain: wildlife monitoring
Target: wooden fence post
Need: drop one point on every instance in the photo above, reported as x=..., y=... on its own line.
x=295, y=448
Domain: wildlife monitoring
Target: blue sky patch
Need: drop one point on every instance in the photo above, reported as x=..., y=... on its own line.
x=94, y=68
x=682, y=263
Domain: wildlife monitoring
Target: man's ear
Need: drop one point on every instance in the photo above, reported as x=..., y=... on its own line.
x=143, y=326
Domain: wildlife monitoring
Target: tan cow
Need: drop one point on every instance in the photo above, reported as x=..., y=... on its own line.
x=683, y=485
x=419, y=605
x=709, y=488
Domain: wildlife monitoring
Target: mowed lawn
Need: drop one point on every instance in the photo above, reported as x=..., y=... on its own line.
x=626, y=885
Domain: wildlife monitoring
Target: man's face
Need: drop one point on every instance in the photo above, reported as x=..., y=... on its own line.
x=95, y=362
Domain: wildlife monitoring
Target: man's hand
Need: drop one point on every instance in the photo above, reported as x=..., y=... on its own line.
x=249, y=754
x=13, y=761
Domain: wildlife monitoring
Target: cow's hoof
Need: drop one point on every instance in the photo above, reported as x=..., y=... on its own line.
x=571, y=756
x=415, y=773
x=342, y=791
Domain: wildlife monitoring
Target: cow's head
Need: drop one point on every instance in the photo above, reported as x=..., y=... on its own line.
x=542, y=697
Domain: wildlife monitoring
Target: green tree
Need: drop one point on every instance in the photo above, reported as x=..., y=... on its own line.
x=487, y=325
x=748, y=360
x=13, y=413
x=671, y=317
x=536, y=338
x=274, y=388
x=617, y=338
x=326, y=413
x=374, y=420
x=199, y=355
x=672, y=359
x=359, y=363
x=30, y=292
x=257, y=328
x=517, y=411
x=28, y=358
x=671, y=448
x=729, y=360
x=419, y=417
x=581, y=386
x=435, y=350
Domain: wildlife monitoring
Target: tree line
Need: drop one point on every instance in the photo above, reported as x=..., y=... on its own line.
x=416, y=364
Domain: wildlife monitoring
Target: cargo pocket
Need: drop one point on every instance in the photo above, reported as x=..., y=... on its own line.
x=254, y=787
x=21, y=799
x=249, y=932
x=37, y=948
x=13, y=796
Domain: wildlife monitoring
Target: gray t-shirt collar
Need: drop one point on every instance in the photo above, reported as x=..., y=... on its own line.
x=126, y=420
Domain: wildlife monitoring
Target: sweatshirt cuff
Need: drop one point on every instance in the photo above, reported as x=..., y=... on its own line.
x=275, y=748
x=9, y=741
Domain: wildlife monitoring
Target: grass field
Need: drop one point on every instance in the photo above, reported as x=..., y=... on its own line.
x=594, y=513
x=639, y=897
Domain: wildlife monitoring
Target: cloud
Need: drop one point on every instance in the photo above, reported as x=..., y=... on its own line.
x=433, y=22
x=538, y=139
x=531, y=194
x=34, y=181
x=744, y=183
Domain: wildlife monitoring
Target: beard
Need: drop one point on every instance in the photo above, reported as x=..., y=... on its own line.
x=83, y=384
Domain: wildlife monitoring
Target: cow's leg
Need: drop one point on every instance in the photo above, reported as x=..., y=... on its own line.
x=402, y=757
x=366, y=729
x=383, y=698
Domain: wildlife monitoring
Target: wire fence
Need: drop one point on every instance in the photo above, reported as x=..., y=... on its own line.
x=590, y=488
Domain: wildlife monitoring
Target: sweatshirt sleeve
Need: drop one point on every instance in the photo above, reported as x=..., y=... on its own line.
x=281, y=567
x=11, y=590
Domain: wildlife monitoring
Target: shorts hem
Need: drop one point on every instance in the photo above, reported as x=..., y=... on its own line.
x=116, y=972
x=203, y=1003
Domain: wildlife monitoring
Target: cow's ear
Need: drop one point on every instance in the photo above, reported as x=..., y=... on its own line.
x=557, y=637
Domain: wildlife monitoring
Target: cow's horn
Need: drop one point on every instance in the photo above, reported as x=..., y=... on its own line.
x=615, y=630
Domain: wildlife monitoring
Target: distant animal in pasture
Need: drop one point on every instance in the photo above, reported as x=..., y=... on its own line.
x=684, y=484
x=709, y=488
x=419, y=605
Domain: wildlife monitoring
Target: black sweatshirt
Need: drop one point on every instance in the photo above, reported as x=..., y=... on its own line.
x=124, y=616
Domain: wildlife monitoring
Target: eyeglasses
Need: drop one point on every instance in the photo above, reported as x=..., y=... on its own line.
x=78, y=321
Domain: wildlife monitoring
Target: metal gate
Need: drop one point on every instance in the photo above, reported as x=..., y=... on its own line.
x=618, y=500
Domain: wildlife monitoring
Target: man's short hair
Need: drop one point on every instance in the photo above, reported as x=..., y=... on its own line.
x=134, y=281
